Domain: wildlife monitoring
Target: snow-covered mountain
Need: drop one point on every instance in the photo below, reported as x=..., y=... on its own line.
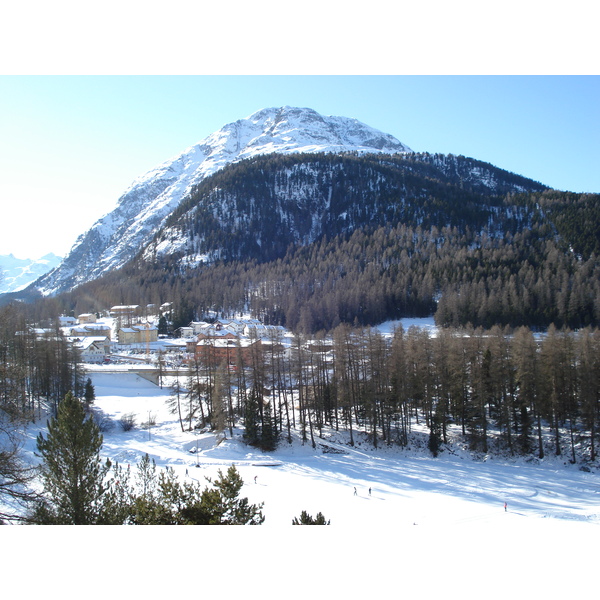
x=152, y=197
x=18, y=273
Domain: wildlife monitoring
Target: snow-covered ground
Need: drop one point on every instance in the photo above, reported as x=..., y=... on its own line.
x=426, y=525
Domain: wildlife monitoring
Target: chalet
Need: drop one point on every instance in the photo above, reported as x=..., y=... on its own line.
x=86, y=318
x=41, y=333
x=185, y=332
x=66, y=321
x=200, y=327
x=235, y=325
x=217, y=334
x=220, y=326
x=129, y=310
x=93, y=349
x=255, y=328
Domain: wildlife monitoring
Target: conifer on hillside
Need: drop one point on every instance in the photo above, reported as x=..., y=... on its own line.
x=71, y=471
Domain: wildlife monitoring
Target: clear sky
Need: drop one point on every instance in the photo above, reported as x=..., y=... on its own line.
x=71, y=144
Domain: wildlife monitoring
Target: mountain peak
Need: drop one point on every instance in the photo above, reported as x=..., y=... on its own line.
x=305, y=130
x=152, y=197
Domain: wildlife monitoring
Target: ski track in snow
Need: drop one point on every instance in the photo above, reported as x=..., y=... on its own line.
x=407, y=487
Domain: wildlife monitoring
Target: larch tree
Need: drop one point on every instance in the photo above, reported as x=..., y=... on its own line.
x=15, y=474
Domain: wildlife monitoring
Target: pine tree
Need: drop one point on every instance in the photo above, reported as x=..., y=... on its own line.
x=163, y=325
x=435, y=429
x=164, y=500
x=71, y=471
x=306, y=519
x=232, y=509
x=252, y=416
x=89, y=392
x=269, y=435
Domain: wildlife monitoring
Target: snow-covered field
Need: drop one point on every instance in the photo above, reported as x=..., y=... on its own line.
x=427, y=524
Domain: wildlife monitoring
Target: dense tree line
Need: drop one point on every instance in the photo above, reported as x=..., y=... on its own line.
x=35, y=364
x=524, y=278
x=576, y=217
x=499, y=390
x=482, y=381
x=257, y=208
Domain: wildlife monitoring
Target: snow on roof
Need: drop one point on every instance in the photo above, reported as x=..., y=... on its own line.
x=226, y=343
x=140, y=327
x=85, y=342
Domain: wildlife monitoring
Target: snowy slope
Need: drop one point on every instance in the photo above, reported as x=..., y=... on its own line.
x=143, y=207
x=408, y=487
x=432, y=527
x=18, y=273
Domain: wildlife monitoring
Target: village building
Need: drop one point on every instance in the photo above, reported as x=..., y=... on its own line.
x=90, y=330
x=200, y=327
x=217, y=334
x=141, y=333
x=255, y=328
x=41, y=333
x=93, y=349
x=86, y=318
x=235, y=325
x=129, y=310
x=226, y=350
x=64, y=321
x=185, y=332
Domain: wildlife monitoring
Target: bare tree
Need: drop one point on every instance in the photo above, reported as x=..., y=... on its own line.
x=15, y=473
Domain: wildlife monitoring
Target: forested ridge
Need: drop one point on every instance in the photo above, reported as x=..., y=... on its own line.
x=311, y=241
x=257, y=208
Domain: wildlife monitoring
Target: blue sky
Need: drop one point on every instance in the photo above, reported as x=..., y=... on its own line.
x=71, y=145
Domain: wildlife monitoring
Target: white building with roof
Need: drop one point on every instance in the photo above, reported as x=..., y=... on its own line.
x=93, y=349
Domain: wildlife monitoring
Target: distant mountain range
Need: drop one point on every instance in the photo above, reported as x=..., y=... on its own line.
x=18, y=273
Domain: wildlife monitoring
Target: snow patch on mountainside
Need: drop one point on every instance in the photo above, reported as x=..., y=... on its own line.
x=142, y=209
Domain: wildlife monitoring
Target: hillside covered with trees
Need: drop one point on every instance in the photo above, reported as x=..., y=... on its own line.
x=312, y=241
